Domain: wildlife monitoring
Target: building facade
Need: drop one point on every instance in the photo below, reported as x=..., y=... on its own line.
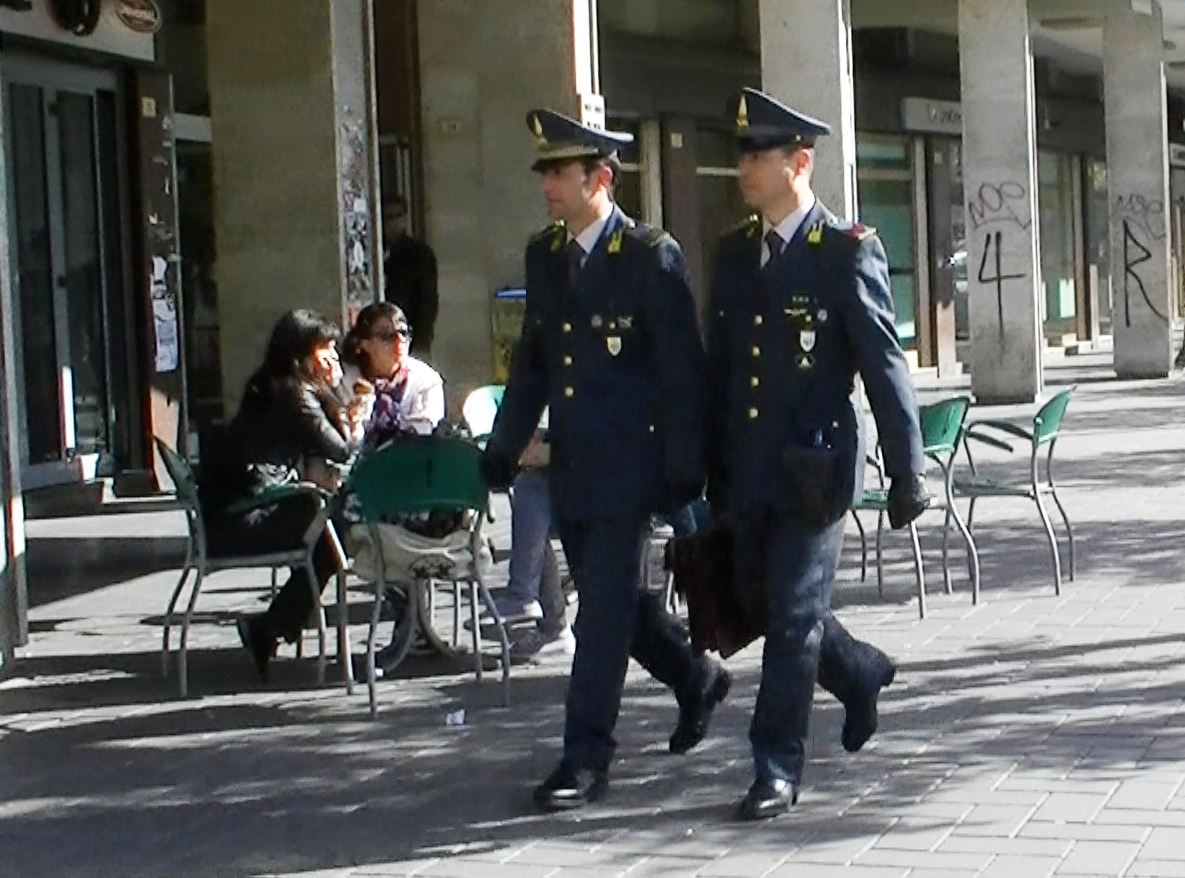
x=174, y=174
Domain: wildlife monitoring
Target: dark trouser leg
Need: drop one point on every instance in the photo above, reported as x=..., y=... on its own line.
x=605, y=558
x=661, y=646
x=288, y=613
x=800, y=563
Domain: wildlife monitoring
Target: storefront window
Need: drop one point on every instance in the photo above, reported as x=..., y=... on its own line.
x=1055, y=179
x=884, y=175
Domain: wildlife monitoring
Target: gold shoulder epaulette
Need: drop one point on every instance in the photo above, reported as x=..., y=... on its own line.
x=857, y=230
x=749, y=226
x=649, y=235
x=554, y=233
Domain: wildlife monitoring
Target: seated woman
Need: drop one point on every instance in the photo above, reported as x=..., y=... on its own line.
x=288, y=415
x=406, y=397
x=408, y=393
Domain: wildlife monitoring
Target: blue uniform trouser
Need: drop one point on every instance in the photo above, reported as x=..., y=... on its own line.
x=616, y=620
x=799, y=564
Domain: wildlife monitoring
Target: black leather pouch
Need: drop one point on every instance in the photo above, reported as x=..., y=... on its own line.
x=811, y=473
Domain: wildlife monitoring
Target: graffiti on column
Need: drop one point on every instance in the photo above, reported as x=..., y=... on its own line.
x=998, y=209
x=1143, y=225
x=355, y=208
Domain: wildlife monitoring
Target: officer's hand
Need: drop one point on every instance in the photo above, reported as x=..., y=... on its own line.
x=908, y=498
x=497, y=470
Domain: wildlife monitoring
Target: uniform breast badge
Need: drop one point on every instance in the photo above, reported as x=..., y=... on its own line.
x=613, y=343
x=806, y=340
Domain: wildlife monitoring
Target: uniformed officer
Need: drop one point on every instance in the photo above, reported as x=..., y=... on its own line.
x=800, y=303
x=610, y=343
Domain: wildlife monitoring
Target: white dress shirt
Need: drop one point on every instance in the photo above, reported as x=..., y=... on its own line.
x=590, y=236
x=787, y=228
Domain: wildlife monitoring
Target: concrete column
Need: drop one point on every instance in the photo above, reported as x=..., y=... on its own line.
x=290, y=108
x=1000, y=186
x=483, y=65
x=1138, y=192
x=14, y=626
x=806, y=63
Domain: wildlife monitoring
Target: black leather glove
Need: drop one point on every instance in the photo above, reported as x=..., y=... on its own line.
x=497, y=470
x=908, y=498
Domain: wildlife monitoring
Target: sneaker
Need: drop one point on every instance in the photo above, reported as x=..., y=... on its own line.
x=540, y=644
x=513, y=609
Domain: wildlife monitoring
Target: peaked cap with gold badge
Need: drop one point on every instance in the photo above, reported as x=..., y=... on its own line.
x=559, y=139
x=762, y=122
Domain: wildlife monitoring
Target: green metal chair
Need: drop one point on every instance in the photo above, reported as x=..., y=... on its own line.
x=1047, y=426
x=479, y=410
x=199, y=560
x=941, y=425
x=422, y=474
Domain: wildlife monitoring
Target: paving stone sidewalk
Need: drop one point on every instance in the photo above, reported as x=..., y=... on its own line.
x=1029, y=735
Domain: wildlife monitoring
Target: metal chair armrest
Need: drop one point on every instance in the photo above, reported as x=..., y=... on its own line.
x=276, y=494
x=1002, y=426
x=973, y=433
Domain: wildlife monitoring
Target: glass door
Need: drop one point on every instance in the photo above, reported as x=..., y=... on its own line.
x=884, y=176
x=69, y=291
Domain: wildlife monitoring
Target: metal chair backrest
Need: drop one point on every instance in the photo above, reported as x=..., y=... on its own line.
x=419, y=474
x=480, y=409
x=942, y=424
x=184, y=481
x=1047, y=423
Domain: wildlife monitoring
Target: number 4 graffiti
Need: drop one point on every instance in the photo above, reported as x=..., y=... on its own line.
x=998, y=277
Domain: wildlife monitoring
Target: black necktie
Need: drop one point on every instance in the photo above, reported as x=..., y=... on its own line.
x=774, y=242
x=575, y=261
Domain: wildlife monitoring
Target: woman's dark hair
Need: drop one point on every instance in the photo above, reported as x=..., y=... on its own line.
x=363, y=328
x=294, y=338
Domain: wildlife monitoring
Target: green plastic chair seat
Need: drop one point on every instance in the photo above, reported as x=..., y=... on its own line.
x=421, y=474
x=941, y=427
x=874, y=500
x=1038, y=441
x=982, y=486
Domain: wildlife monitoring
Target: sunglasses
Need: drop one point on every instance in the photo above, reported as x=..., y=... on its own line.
x=391, y=334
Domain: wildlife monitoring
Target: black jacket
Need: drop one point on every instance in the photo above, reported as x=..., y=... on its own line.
x=277, y=426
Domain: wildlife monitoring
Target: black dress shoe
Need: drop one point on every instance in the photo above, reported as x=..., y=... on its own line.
x=568, y=788
x=768, y=798
x=695, y=716
x=257, y=641
x=876, y=672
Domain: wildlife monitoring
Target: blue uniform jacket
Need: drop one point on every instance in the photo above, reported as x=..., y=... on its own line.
x=618, y=359
x=784, y=348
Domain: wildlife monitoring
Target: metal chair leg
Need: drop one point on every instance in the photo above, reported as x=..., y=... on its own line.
x=505, y=642
x=183, y=651
x=972, y=552
x=880, y=558
x=164, y=650
x=456, y=614
x=946, y=578
x=863, y=547
x=474, y=613
x=319, y=612
x=1069, y=529
x=380, y=588
x=343, y=632
x=917, y=562
x=1049, y=532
